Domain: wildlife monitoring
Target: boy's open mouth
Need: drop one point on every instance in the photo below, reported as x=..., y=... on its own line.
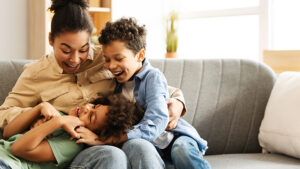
x=117, y=74
x=77, y=110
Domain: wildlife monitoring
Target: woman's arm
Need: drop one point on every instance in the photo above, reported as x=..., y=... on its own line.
x=32, y=145
x=21, y=122
x=25, y=119
x=176, y=106
x=23, y=96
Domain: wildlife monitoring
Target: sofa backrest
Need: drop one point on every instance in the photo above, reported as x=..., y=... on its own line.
x=225, y=98
x=10, y=71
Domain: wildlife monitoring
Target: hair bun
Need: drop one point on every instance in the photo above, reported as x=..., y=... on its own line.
x=57, y=4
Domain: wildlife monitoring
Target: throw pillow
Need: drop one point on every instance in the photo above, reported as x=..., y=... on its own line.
x=280, y=128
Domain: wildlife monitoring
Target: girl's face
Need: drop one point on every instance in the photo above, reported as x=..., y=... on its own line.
x=71, y=49
x=121, y=61
x=93, y=116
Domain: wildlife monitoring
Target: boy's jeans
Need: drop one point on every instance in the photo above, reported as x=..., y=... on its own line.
x=184, y=153
x=135, y=154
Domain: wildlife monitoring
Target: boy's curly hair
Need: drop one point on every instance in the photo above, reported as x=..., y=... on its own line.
x=126, y=30
x=122, y=115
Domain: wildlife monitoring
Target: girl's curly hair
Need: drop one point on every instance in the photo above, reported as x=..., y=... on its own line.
x=126, y=30
x=122, y=115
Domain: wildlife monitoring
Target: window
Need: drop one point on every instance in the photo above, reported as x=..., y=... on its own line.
x=285, y=25
x=218, y=28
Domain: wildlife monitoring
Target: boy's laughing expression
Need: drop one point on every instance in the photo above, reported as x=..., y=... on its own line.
x=121, y=61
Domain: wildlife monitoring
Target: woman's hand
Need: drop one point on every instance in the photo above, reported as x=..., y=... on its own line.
x=175, y=108
x=88, y=137
x=70, y=123
x=48, y=111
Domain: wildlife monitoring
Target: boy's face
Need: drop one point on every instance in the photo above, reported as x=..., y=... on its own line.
x=121, y=61
x=93, y=116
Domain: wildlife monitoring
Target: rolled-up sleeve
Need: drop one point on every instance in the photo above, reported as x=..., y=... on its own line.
x=156, y=115
x=177, y=94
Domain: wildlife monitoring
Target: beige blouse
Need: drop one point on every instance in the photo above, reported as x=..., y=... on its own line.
x=44, y=81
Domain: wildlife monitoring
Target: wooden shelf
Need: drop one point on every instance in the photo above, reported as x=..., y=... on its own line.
x=282, y=60
x=100, y=11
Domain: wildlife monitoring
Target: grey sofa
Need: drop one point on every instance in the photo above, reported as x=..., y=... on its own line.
x=225, y=99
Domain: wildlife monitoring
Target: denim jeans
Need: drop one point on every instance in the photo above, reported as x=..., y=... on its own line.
x=135, y=154
x=184, y=153
x=4, y=165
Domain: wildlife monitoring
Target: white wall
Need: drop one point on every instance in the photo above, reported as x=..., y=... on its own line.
x=13, y=29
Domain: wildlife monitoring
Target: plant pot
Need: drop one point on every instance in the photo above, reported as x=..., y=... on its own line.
x=171, y=55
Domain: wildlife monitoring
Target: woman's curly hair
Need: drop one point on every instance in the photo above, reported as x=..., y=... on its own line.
x=122, y=115
x=126, y=30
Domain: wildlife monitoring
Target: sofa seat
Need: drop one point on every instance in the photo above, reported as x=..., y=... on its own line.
x=252, y=161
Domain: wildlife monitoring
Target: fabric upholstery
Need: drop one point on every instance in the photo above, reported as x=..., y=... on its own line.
x=10, y=70
x=252, y=161
x=225, y=99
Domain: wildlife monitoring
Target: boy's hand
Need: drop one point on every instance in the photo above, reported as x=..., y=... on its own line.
x=88, y=137
x=175, y=108
x=48, y=111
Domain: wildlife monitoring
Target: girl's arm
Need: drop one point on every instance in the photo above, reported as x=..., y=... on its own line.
x=32, y=145
x=25, y=119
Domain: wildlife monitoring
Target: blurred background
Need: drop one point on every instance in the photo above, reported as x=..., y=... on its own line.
x=204, y=28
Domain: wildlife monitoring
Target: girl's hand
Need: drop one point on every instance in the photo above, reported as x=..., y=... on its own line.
x=88, y=137
x=48, y=111
x=70, y=123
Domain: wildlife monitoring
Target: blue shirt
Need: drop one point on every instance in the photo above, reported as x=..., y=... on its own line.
x=151, y=92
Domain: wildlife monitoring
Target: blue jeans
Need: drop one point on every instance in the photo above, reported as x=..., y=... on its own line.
x=184, y=153
x=135, y=154
x=4, y=165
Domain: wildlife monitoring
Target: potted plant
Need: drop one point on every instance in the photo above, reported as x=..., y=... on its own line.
x=171, y=38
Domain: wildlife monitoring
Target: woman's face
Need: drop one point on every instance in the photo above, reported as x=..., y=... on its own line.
x=71, y=49
x=93, y=116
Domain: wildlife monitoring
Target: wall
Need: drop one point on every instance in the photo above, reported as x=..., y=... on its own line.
x=13, y=29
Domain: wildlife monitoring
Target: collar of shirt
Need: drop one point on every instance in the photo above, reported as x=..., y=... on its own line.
x=145, y=68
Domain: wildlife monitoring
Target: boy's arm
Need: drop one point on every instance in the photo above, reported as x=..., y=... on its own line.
x=156, y=115
x=32, y=145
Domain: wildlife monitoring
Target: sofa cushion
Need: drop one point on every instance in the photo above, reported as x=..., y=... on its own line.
x=279, y=131
x=253, y=161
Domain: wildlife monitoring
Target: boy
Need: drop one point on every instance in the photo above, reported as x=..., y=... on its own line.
x=123, y=44
x=108, y=116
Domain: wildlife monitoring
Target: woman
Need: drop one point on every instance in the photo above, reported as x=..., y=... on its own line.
x=73, y=75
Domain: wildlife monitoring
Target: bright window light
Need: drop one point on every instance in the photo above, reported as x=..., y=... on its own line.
x=285, y=25
x=200, y=5
x=221, y=37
